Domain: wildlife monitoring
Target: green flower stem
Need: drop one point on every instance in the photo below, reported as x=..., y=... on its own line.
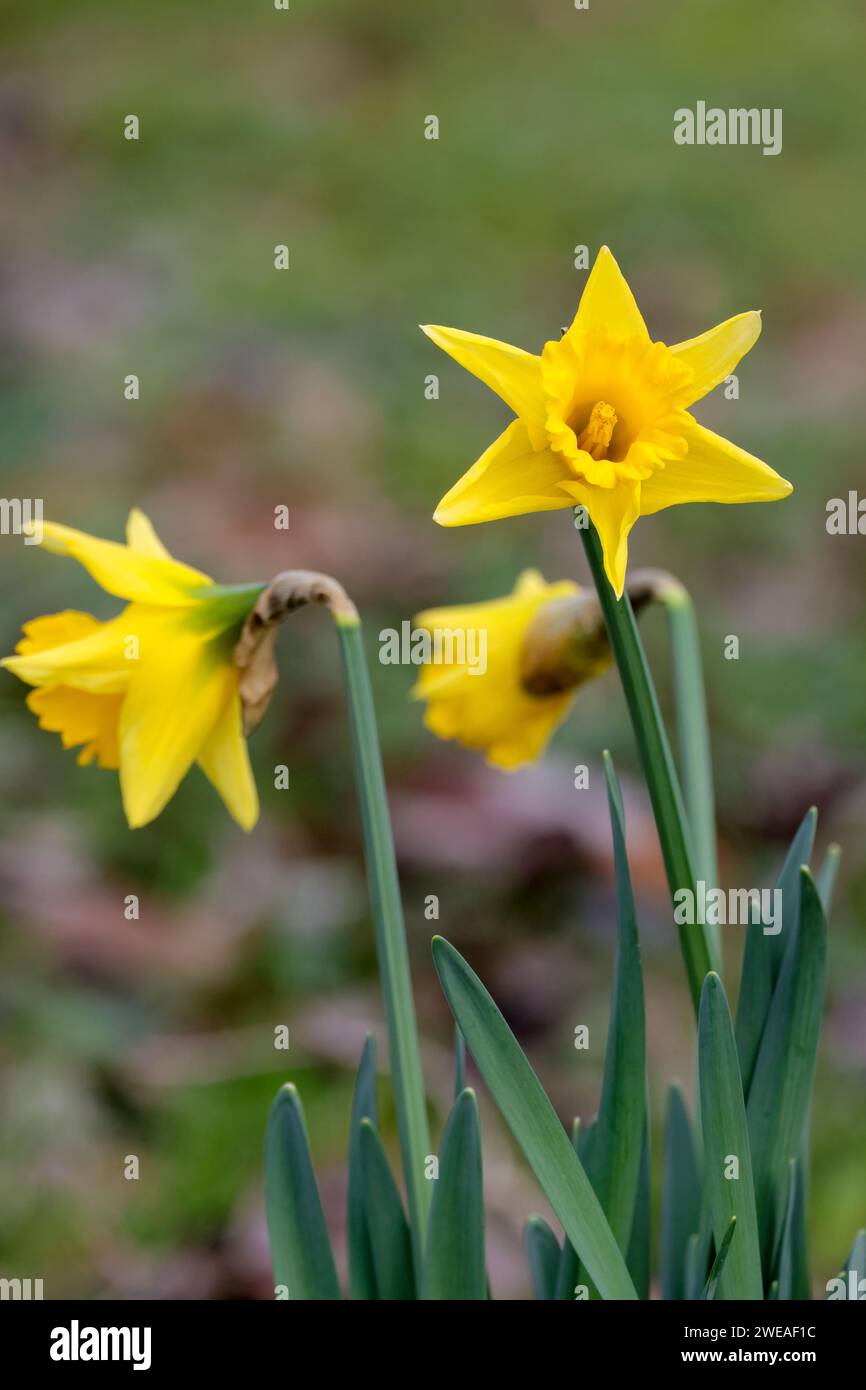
x=693, y=735
x=390, y=932
x=696, y=942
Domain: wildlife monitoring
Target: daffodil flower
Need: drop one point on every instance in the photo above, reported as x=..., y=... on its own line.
x=541, y=643
x=603, y=420
x=153, y=690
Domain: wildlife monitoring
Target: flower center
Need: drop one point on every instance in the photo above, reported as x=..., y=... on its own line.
x=598, y=431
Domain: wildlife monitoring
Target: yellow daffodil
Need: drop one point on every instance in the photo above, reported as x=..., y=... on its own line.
x=153, y=690
x=603, y=421
x=511, y=667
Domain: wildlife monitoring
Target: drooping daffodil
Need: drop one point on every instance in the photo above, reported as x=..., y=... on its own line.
x=153, y=690
x=604, y=422
x=508, y=669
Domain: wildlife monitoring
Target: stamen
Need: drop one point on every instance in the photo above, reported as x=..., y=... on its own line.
x=596, y=437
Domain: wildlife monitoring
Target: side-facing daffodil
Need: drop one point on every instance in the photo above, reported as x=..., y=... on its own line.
x=603, y=421
x=539, y=643
x=153, y=690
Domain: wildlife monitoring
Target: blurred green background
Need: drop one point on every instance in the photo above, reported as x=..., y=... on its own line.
x=306, y=388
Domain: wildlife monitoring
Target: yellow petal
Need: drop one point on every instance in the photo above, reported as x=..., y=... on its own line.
x=613, y=512
x=509, y=479
x=173, y=705
x=527, y=743
x=607, y=301
x=513, y=374
x=80, y=717
x=713, y=470
x=715, y=354
x=509, y=727
x=488, y=709
x=141, y=536
x=124, y=572
x=513, y=610
x=530, y=584
x=225, y=760
x=98, y=660
x=55, y=630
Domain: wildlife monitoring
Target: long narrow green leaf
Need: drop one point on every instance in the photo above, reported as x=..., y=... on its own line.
x=760, y=975
x=569, y=1264
x=638, y=1255
x=800, y=853
x=681, y=1196
x=391, y=950
x=756, y=992
x=459, y=1062
x=616, y=1147
x=704, y=1249
x=783, y=1273
x=543, y=1256
x=781, y=1088
x=727, y=1157
x=617, y=1141
x=826, y=879
x=695, y=1268
x=764, y=953
x=390, y=1241
x=533, y=1122
x=801, y=1282
x=362, y=1273
x=720, y=1260
x=454, y=1260
x=855, y=1266
x=300, y=1249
